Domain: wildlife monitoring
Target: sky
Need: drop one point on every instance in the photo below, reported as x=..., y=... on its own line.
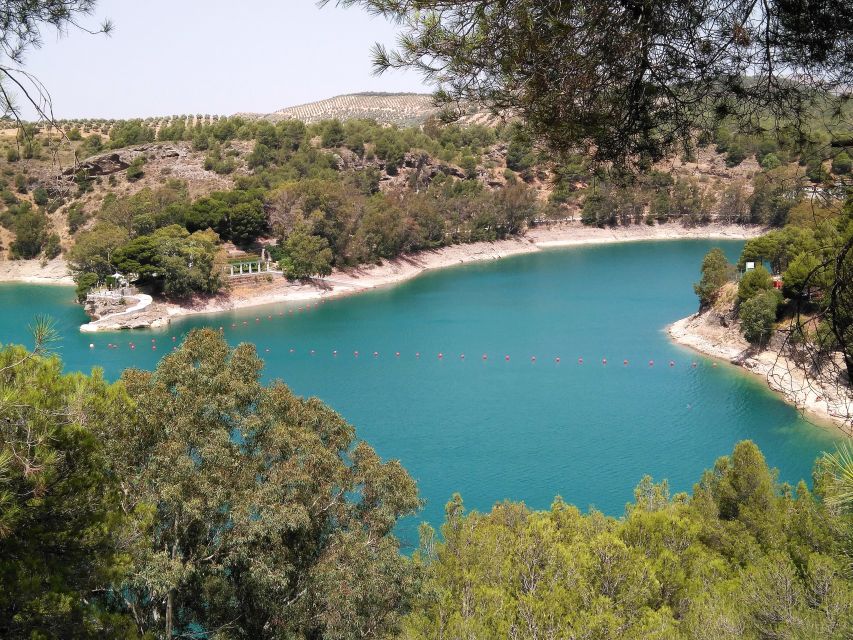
x=212, y=56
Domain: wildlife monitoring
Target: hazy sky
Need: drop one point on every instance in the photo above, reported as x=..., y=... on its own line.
x=213, y=56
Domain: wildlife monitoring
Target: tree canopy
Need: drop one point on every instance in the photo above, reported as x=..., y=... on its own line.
x=625, y=78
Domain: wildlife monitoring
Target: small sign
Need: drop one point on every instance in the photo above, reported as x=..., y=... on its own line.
x=750, y=266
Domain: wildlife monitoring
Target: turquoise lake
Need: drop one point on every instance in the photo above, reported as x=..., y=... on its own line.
x=499, y=429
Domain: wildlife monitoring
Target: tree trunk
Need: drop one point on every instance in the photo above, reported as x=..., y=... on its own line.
x=169, y=604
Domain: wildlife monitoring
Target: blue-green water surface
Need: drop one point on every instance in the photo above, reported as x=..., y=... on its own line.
x=499, y=429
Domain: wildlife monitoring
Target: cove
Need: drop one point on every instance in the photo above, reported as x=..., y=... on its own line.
x=499, y=429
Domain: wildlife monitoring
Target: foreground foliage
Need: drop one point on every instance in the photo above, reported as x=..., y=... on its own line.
x=191, y=498
x=743, y=557
x=196, y=501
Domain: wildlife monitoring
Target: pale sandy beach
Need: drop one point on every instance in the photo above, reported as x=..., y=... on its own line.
x=53, y=272
x=249, y=292
x=345, y=282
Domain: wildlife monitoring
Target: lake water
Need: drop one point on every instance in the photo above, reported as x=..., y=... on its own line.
x=496, y=428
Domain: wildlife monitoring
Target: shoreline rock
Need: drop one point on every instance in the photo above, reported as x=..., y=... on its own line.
x=705, y=333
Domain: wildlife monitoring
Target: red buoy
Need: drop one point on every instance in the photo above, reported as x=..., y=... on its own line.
x=580, y=360
x=651, y=363
x=604, y=361
x=625, y=362
x=440, y=355
x=557, y=359
x=485, y=357
x=355, y=353
x=506, y=358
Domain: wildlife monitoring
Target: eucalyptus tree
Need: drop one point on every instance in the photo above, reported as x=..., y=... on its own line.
x=255, y=513
x=59, y=507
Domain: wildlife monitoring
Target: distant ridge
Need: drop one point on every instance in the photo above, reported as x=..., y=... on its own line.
x=402, y=109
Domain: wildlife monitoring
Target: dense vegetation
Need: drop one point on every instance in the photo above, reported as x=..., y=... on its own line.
x=741, y=558
x=812, y=261
x=194, y=499
x=628, y=82
x=191, y=498
x=338, y=194
x=315, y=189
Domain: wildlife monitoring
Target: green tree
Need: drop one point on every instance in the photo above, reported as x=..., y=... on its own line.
x=246, y=222
x=758, y=314
x=742, y=558
x=256, y=513
x=841, y=164
x=94, y=249
x=30, y=234
x=754, y=282
x=333, y=134
x=716, y=271
x=626, y=80
x=40, y=196
x=305, y=255
x=59, y=508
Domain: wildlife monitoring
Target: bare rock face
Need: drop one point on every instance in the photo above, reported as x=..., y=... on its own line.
x=97, y=308
x=101, y=165
x=115, y=161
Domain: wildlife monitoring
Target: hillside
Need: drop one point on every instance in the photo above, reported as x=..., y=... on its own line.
x=351, y=191
x=399, y=109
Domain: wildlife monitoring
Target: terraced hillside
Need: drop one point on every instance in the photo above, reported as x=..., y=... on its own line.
x=402, y=109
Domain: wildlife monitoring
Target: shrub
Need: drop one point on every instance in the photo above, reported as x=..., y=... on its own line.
x=76, y=217
x=735, y=154
x=770, y=161
x=754, y=282
x=40, y=196
x=135, y=171
x=12, y=155
x=52, y=247
x=716, y=271
x=758, y=314
x=85, y=283
x=842, y=164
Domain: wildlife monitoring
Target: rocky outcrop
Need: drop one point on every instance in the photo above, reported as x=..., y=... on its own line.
x=111, y=312
x=716, y=332
x=114, y=161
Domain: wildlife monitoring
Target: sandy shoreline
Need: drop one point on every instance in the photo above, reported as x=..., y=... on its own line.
x=820, y=403
x=256, y=291
x=33, y=272
x=346, y=282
